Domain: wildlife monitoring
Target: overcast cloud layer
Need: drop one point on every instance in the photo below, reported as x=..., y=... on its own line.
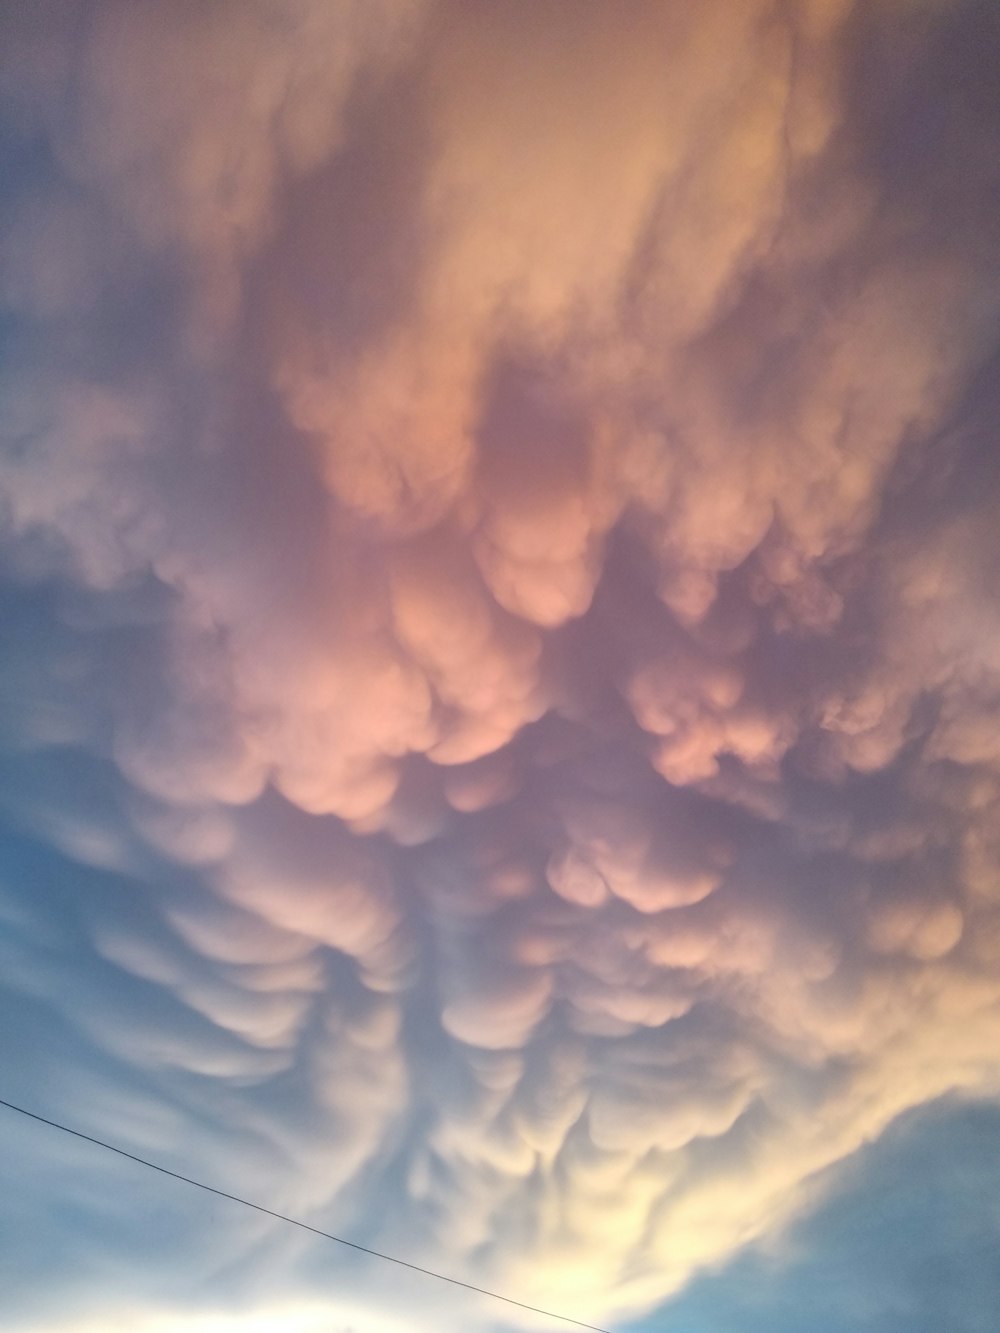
x=500, y=685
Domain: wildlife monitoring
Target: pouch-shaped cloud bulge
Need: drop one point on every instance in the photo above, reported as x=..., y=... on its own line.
x=501, y=719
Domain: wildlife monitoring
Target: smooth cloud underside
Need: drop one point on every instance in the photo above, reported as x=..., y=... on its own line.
x=508, y=492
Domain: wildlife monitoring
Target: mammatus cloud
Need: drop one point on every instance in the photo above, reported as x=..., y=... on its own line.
x=497, y=516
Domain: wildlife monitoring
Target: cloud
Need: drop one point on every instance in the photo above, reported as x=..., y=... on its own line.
x=500, y=738
x=901, y=1232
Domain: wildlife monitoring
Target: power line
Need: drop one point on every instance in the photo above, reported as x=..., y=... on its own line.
x=292, y=1221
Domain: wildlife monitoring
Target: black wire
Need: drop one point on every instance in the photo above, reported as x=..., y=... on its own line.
x=235, y=1198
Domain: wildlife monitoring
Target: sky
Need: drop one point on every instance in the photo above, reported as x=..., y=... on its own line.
x=500, y=664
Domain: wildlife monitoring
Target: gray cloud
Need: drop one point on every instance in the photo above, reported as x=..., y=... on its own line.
x=500, y=723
